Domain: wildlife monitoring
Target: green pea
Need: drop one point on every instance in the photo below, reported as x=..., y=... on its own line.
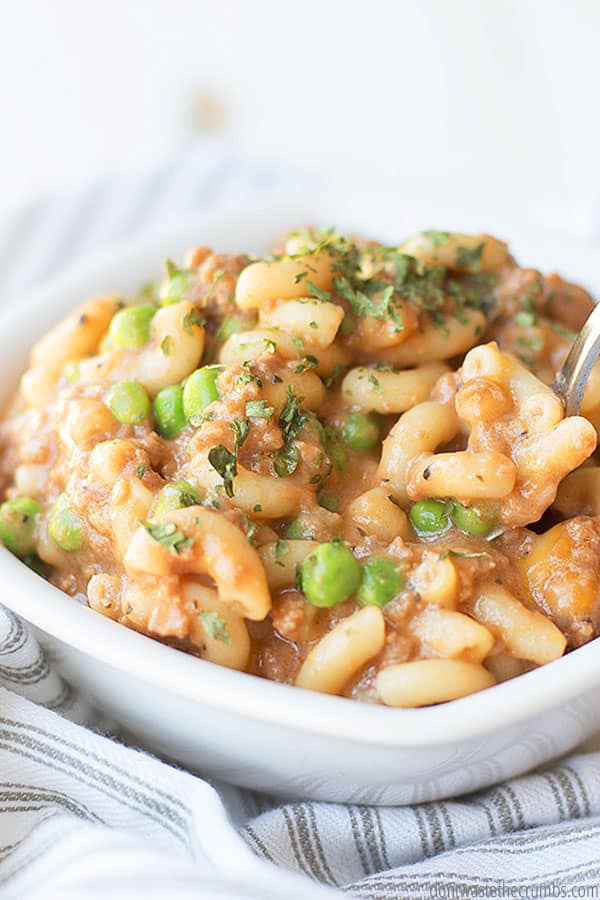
x=338, y=454
x=128, y=402
x=332, y=445
x=470, y=519
x=177, y=286
x=175, y=495
x=64, y=527
x=168, y=411
x=71, y=370
x=18, y=519
x=429, y=516
x=380, y=583
x=106, y=344
x=200, y=390
x=328, y=501
x=130, y=327
x=329, y=574
x=295, y=531
x=360, y=431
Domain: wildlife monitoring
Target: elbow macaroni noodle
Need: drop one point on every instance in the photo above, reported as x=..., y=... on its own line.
x=372, y=490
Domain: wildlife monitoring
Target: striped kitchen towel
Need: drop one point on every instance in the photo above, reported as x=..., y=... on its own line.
x=83, y=815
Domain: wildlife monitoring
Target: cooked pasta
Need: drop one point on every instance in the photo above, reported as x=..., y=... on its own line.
x=341, y=466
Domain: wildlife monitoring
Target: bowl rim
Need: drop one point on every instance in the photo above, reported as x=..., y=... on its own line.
x=249, y=696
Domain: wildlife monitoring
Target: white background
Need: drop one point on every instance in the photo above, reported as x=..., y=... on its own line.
x=490, y=107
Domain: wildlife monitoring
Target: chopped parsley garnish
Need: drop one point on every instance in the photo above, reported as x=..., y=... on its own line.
x=377, y=303
x=335, y=452
x=285, y=461
x=525, y=319
x=240, y=428
x=317, y=240
x=336, y=372
x=527, y=301
x=281, y=548
x=191, y=319
x=178, y=285
x=251, y=528
x=248, y=376
x=291, y=421
x=473, y=290
x=317, y=292
x=141, y=471
x=533, y=342
x=223, y=460
x=561, y=330
x=171, y=268
x=417, y=282
x=167, y=345
x=217, y=277
x=462, y=554
x=396, y=277
x=470, y=257
x=225, y=463
x=407, y=279
x=375, y=384
x=258, y=409
x=436, y=238
x=188, y=499
x=215, y=626
x=307, y=362
x=167, y=534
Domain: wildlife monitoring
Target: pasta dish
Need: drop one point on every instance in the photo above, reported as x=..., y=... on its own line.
x=341, y=466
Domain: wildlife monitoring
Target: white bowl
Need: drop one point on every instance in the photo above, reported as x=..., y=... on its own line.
x=253, y=732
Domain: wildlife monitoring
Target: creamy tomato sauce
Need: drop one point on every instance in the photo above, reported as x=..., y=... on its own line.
x=339, y=467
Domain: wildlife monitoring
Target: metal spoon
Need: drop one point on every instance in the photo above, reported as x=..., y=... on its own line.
x=573, y=376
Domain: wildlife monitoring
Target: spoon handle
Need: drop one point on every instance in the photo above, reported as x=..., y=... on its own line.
x=573, y=376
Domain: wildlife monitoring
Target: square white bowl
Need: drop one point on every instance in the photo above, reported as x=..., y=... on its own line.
x=250, y=731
